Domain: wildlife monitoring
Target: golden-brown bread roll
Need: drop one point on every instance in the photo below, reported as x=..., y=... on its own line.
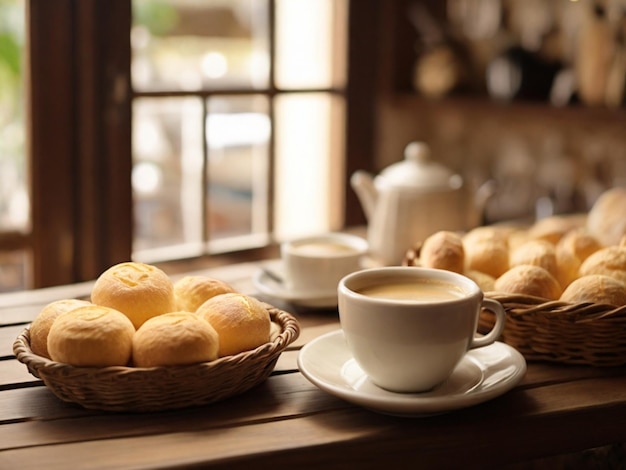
x=443, y=250
x=486, y=282
x=529, y=280
x=596, y=288
x=607, y=217
x=553, y=228
x=610, y=261
x=537, y=253
x=567, y=267
x=580, y=243
x=242, y=322
x=193, y=291
x=40, y=327
x=140, y=291
x=175, y=338
x=488, y=257
x=517, y=238
x=486, y=250
x=488, y=233
x=92, y=335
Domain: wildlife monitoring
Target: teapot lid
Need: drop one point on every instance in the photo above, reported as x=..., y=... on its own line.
x=419, y=171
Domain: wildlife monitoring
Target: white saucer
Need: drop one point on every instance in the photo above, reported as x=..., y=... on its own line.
x=483, y=374
x=272, y=287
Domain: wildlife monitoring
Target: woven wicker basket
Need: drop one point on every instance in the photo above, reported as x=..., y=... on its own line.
x=555, y=331
x=160, y=388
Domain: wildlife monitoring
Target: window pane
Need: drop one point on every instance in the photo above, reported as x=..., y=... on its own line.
x=309, y=163
x=238, y=135
x=167, y=173
x=310, y=43
x=193, y=44
x=233, y=210
x=14, y=199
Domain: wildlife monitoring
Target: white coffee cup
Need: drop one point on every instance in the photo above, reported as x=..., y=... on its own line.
x=409, y=327
x=315, y=264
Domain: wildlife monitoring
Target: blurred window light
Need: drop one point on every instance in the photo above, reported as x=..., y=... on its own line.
x=188, y=45
x=214, y=65
x=310, y=48
x=147, y=177
x=224, y=130
x=309, y=167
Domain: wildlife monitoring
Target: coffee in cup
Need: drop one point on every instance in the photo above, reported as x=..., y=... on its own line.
x=315, y=264
x=409, y=327
x=427, y=291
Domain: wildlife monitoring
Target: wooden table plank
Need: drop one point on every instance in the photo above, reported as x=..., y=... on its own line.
x=213, y=445
x=283, y=396
x=19, y=314
x=34, y=404
x=13, y=373
x=203, y=435
x=45, y=295
x=280, y=397
x=8, y=334
x=543, y=373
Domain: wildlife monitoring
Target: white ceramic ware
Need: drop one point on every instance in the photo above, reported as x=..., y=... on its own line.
x=315, y=264
x=412, y=199
x=412, y=345
x=483, y=374
x=269, y=280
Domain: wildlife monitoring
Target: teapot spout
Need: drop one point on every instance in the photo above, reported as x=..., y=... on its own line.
x=363, y=185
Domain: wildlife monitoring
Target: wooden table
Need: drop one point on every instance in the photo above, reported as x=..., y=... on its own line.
x=288, y=421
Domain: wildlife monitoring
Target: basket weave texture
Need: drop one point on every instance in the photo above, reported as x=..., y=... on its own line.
x=555, y=331
x=160, y=388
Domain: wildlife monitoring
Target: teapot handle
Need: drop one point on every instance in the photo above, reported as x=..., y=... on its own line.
x=363, y=185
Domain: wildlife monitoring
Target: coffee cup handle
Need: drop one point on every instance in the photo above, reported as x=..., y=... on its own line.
x=498, y=310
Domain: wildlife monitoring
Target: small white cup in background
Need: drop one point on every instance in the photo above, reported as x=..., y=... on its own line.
x=408, y=327
x=316, y=264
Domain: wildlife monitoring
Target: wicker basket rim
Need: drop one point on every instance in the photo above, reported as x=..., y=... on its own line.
x=526, y=304
x=290, y=331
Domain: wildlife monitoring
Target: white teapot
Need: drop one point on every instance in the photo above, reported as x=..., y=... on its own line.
x=412, y=199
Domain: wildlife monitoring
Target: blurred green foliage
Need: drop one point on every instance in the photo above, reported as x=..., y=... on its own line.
x=11, y=55
x=12, y=99
x=159, y=17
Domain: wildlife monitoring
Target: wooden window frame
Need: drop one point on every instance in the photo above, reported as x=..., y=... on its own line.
x=79, y=133
x=79, y=126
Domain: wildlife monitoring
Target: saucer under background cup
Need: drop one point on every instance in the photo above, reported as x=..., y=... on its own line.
x=268, y=285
